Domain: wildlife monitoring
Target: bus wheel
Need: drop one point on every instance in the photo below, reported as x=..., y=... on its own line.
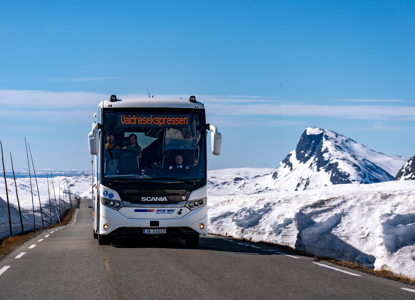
x=192, y=240
x=103, y=239
x=95, y=234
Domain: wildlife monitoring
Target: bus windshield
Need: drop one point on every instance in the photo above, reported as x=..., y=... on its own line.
x=153, y=145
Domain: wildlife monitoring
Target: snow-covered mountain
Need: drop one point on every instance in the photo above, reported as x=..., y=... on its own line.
x=22, y=173
x=407, y=172
x=323, y=157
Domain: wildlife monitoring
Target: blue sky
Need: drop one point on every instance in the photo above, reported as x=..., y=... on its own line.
x=266, y=70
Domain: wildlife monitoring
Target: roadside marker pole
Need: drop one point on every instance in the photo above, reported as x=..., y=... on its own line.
x=17, y=195
x=37, y=186
x=7, y=194
x=50, y=207
x=60, y=209
x=31, y=190
x=54, y=192
x=69, y=192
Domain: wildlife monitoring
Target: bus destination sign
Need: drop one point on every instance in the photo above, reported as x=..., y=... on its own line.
x=150, y=120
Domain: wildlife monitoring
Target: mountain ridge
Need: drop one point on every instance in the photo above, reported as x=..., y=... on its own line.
x=324, y=157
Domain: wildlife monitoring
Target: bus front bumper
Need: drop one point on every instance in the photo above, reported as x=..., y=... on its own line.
x=114, y=223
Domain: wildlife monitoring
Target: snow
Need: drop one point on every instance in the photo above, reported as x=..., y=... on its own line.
x=323, y=158
x=314, y=131
x=78, y=185
x=390, y=164
x=373, y=224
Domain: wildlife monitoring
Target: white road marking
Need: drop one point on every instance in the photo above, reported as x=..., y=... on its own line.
x=52, y=231
x=260, y=248
x=74, y=218
x=47, y=235
x=4, y=269
x=296, y=257
x=33, y=246
x=335, y=269
x=20, y=255
x=409, y=290
x=40, y=240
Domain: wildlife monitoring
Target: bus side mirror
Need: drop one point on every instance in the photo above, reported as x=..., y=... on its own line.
x=93, y=140
x=216, y=139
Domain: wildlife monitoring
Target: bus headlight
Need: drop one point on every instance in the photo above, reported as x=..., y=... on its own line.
x=193, y=204
x=113, y=204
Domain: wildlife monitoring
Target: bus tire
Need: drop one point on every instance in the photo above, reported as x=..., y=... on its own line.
x=95, y=234
x=103, y=239
x=192, y=240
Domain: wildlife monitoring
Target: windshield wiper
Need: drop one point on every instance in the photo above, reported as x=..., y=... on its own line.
x=155, y=180
x=190, y=181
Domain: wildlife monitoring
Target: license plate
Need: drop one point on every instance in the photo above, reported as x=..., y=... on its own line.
x=154, y=231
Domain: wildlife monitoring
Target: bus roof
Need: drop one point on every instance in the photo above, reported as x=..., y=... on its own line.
x=152, y=102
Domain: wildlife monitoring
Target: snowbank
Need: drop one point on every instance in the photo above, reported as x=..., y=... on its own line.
x=78, y=185
x=371, y=224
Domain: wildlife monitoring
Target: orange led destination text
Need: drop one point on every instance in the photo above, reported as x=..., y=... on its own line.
x=133, y=120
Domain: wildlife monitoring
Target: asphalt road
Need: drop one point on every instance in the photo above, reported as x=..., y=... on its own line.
x=68, y=263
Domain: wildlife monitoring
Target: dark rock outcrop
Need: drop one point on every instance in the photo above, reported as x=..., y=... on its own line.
x=407, y=172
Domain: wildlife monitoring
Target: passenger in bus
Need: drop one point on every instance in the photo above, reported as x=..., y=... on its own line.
x=178, y=163
x=113, y=158
x=173, y=138
x=111, y=144
x=133, y=145
x=188, y=142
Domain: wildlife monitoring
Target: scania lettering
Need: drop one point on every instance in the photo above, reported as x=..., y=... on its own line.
x=149, y=169
x=153, y=199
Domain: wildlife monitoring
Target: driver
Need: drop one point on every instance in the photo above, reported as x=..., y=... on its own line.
x=178, y=163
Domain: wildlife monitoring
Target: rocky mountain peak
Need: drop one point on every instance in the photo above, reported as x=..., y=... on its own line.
x=309, y=142
x=407, y=172
x=324, y=157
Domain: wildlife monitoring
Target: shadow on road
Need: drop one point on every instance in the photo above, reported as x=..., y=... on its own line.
x=209, y=243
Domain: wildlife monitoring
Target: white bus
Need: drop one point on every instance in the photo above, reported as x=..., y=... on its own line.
x=149, y=169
